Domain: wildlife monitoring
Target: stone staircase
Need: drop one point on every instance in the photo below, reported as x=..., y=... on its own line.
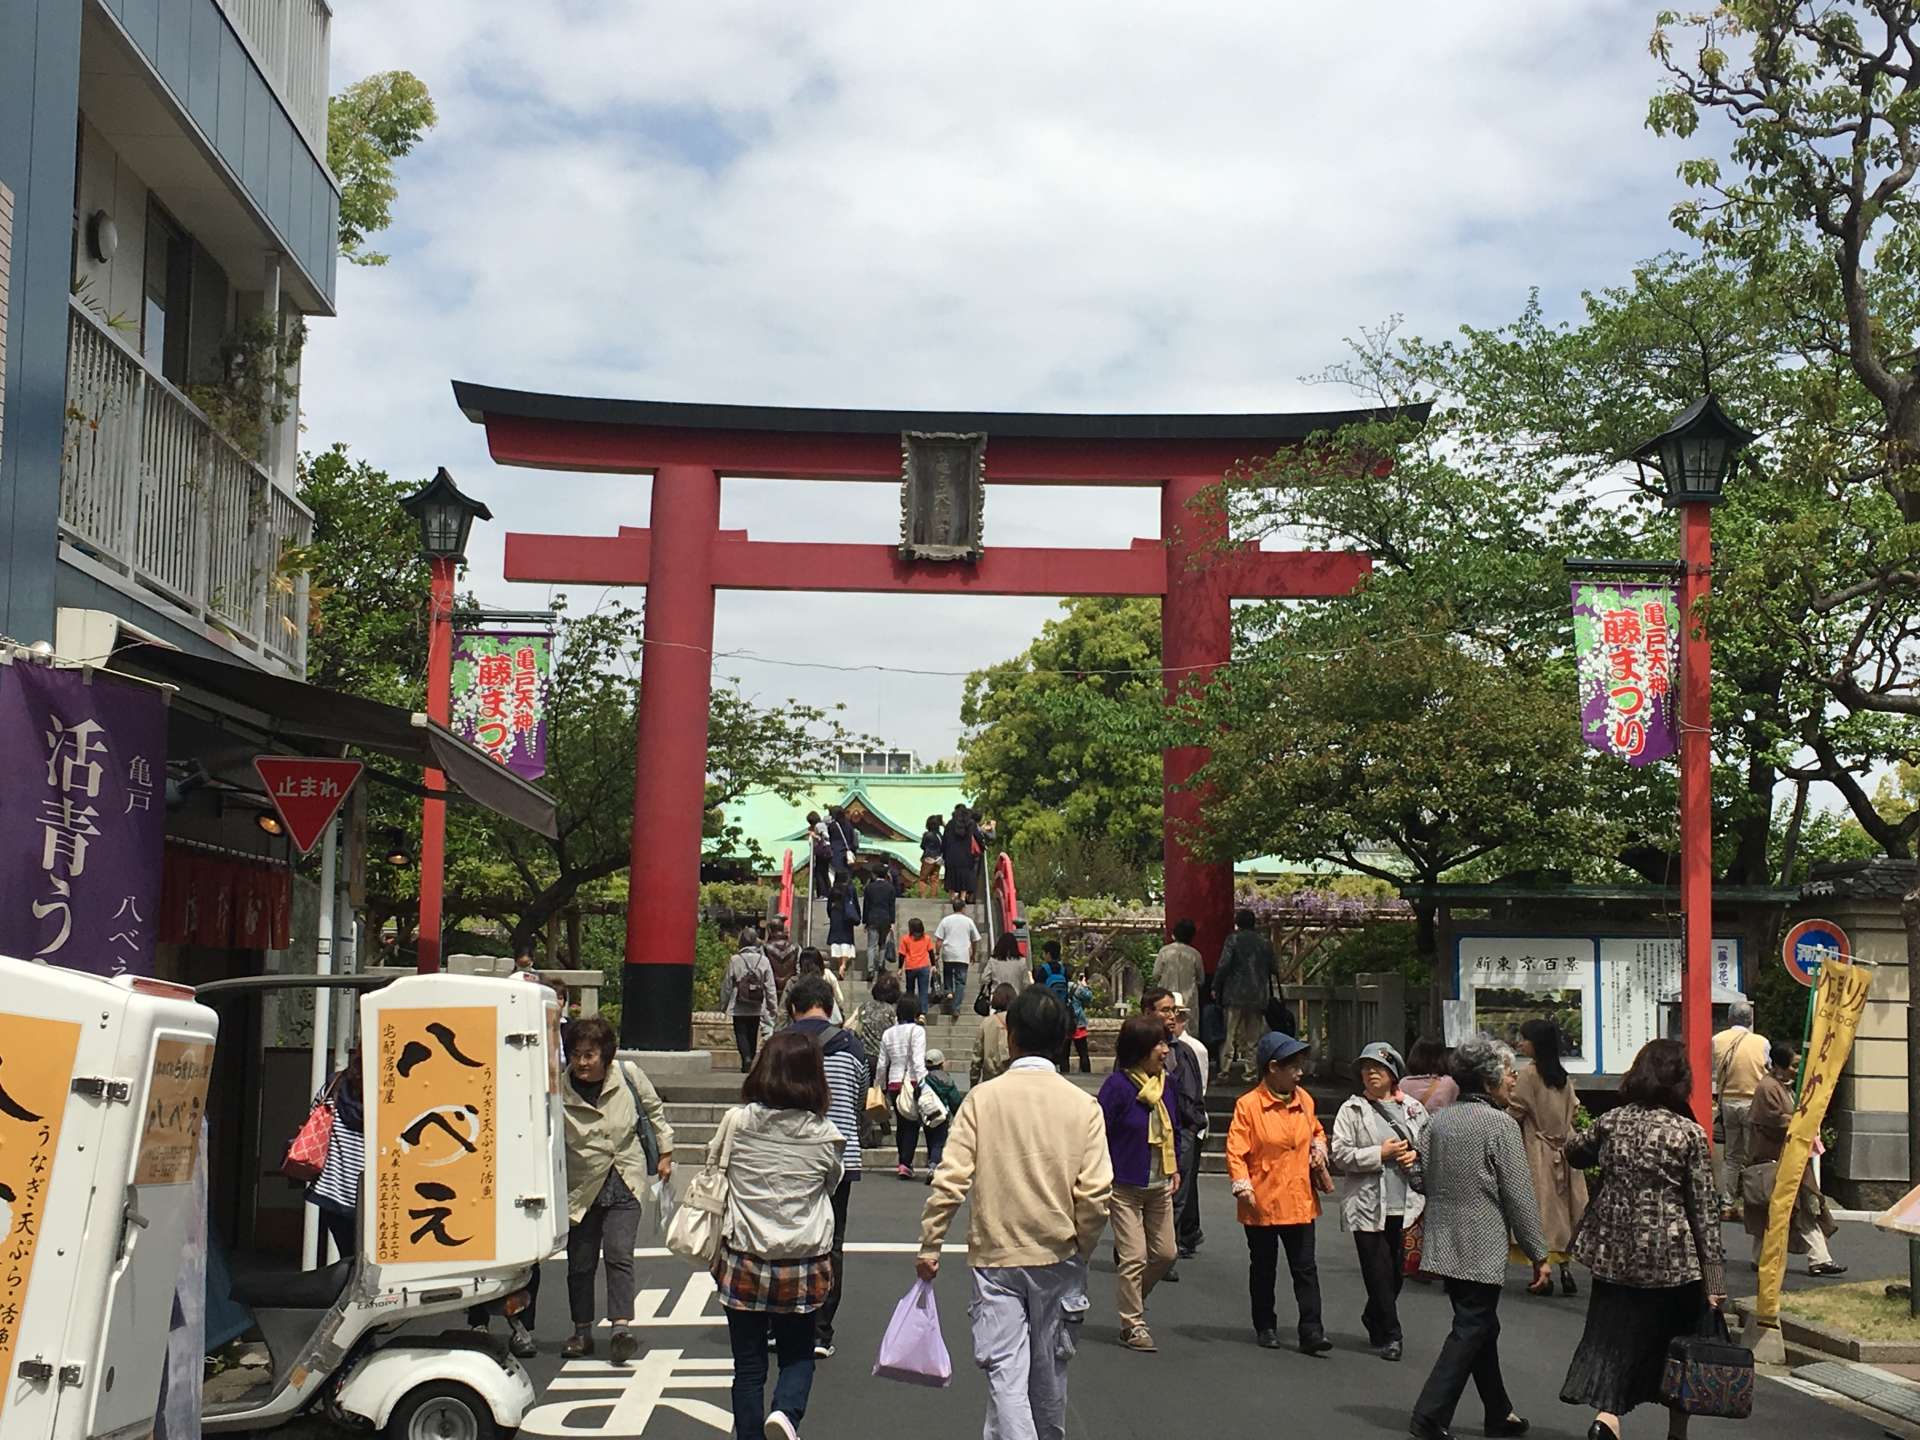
x=928, y=912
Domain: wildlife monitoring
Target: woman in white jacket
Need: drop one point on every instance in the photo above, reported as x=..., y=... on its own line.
x=775, y=1265
x=1377, y=1139
x=903, y=1065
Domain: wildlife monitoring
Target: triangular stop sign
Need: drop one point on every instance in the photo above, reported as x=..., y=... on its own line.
x=308, y=793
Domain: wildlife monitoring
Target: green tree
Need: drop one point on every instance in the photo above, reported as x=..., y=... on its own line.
x=1816, y=208
x=368, y=595
x=1033, y=767
x=370, y=124
x=367, y=582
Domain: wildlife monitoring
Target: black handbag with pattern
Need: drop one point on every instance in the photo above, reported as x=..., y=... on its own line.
x=1707, y=1373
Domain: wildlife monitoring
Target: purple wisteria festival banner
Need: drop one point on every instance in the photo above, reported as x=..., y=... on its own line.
x=82, y=818
x=1626, y=643
x=500, y=696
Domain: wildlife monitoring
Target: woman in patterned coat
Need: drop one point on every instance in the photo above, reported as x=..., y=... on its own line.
x=1651, y=1236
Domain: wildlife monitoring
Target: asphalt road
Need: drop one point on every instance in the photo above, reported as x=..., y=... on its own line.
x=1207, y=1379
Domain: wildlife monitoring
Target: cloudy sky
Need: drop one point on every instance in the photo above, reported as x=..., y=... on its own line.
x=1058, y=206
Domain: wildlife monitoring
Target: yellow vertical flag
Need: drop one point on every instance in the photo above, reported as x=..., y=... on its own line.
x=1841, y=999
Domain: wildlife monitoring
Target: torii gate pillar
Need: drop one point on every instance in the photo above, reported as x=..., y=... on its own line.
x=1196, y=637
x=670, y=760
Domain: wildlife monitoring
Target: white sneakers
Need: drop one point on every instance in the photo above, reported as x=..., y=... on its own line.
x=780, y=1428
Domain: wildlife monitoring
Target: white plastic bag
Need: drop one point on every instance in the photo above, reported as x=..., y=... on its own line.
x=664, y=1203
x=913, y=1350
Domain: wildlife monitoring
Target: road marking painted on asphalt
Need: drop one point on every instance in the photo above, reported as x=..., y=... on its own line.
x=629, y=1395
x=853, y=1247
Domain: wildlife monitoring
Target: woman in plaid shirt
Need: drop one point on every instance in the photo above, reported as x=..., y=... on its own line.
x=775, y=1266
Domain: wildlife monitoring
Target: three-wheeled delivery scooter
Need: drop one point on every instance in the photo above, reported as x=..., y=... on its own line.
x=103, y=1084
x=464, y=1192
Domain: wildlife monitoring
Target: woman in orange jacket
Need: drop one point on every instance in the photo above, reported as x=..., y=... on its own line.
x=1277, y=1159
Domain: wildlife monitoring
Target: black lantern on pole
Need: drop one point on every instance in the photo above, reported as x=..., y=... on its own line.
x=1695, y=453
x=445, y=515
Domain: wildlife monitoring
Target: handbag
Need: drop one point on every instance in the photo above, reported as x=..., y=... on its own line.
x=1707, y=1373
x=1416, y=1173
x=903, y=1102
x=307, y=1153
x=876, y=1099
x=983, y=1002
x=698, y=1224
x=1413, y=1240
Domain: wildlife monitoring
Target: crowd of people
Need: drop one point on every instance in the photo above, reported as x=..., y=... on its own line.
x=1446, y=1168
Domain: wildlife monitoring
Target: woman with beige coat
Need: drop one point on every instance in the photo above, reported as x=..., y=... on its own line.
x=1544, y=1103
x=607, y=1173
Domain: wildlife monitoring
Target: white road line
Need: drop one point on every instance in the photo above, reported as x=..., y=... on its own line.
x=854, y=1247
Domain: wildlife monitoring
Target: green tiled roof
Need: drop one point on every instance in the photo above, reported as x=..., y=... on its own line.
x=899, y=803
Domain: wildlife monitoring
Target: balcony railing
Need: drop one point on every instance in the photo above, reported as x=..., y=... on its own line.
x=289, y=40
x=149, y=489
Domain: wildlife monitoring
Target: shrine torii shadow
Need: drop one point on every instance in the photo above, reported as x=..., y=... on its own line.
x=684, y=557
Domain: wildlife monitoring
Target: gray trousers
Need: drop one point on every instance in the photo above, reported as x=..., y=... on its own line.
x=1026, y=1325
x=879, y=950
x=606, y=1232
x=1738, y=1151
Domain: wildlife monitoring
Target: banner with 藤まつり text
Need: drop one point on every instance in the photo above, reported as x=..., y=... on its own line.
x=500, y=696
x=1626, y=642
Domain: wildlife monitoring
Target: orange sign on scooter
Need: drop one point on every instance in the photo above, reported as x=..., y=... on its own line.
x=437, y=1105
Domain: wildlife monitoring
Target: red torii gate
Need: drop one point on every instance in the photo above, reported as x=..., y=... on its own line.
x=684, y=557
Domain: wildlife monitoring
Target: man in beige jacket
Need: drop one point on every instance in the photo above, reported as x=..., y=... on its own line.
x=1032, y=1149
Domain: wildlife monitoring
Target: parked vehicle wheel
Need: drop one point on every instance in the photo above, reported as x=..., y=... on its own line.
x=443, y=1410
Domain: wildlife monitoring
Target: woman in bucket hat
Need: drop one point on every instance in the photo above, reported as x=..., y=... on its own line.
x=1377, y=1138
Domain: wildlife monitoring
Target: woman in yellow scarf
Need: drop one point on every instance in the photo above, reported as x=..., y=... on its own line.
x=1139, y=1101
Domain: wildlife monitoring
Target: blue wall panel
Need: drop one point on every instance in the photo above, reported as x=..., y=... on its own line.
x=175, y=40
x=203, y=70
x=231, y=136
x=39, y=97
x=194, y=50
x=142, y=19
x=280, y=143
x=253, y=159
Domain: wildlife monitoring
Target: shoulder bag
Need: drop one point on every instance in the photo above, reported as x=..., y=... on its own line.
x=695, y=1232
x=307, y=1153
x=1707, y=1373
x=642, y=1126
x=1416, y=1173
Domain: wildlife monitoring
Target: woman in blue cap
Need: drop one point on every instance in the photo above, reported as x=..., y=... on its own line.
x=1377, y=1138
x=1277, y=1160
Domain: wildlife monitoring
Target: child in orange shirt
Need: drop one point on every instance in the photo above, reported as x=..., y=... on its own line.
x=916, y=960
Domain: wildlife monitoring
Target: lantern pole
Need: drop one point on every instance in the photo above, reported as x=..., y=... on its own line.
x=433, y=811
x=1696, y=805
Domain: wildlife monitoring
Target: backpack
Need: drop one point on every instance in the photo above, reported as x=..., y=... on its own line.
x=1056, y=981
x=750, y=989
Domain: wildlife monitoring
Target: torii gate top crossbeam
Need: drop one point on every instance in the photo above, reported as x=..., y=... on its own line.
x=572, y=432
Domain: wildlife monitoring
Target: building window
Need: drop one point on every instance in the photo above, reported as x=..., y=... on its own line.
x=168, y=292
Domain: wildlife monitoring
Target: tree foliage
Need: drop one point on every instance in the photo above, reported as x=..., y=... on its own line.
x=1034, y=768
x=368, y=592
x=371, y=124
x=1816, y=214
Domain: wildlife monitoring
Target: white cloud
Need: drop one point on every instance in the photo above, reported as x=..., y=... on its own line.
x=1060, y=206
